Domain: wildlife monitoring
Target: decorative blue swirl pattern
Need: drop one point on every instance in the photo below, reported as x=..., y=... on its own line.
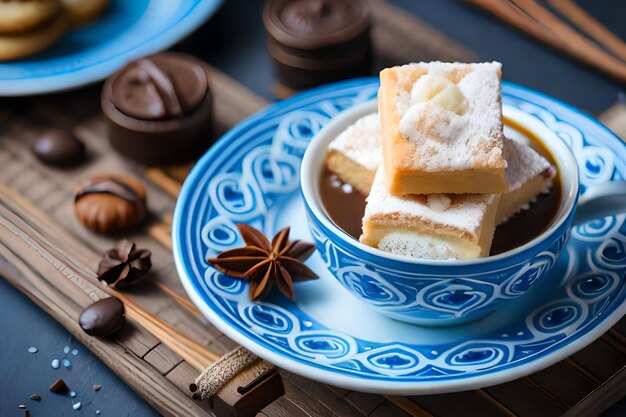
x=245, y=178
x=419, y=295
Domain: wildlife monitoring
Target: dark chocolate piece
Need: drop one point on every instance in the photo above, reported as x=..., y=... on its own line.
x=314, y=42
x=159, y=108
x=35, y=397
x=59, y=387
x=256, y=381
x=58, y=147
x=103, y=317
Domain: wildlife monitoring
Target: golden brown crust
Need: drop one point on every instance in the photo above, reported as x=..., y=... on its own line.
x=406, y=162
x=349, y=171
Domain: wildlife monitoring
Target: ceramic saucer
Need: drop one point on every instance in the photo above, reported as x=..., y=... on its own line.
x=251, y=176
x=126, y=30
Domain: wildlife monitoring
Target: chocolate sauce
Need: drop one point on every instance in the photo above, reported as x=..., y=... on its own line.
x=343, y=203
x=345, y=207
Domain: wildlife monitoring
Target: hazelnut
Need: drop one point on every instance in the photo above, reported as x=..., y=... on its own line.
x=110, y=203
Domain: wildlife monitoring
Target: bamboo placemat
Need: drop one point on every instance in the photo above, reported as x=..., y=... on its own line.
x=49, y=256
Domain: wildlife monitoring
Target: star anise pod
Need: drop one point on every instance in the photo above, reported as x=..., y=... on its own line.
x=124, y=265
x=266, y=264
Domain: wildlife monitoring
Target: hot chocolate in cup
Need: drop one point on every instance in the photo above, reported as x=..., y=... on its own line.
x=444, y=292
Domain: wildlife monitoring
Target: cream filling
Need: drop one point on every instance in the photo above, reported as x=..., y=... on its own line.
x=423, y=246
x=441, y=243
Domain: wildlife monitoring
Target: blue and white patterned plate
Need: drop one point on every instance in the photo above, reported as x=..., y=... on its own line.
x=125, y=31
x=251, y=175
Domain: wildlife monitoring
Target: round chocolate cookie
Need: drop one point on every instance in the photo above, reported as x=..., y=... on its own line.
x=159, y=108
x=58, y=147
x=110, y=203
x=314, y=42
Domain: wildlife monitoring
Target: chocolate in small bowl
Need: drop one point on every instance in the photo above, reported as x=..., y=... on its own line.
x=314, y=42
x=159, y=108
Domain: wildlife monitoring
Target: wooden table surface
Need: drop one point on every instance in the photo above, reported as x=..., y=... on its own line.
x=224, y=42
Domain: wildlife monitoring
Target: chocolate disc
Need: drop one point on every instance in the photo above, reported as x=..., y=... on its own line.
x=58, y=147
x=103, y=317
x=160, y=87
x=310, y=24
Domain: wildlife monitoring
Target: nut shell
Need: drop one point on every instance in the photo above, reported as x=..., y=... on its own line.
x=110, y=203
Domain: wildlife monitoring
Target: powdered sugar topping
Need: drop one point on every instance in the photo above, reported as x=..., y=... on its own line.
x=361, y=142
x=465, y=212
x=448, y=140
x=523, y=164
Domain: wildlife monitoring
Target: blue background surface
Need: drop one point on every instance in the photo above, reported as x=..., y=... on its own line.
x=234, y=41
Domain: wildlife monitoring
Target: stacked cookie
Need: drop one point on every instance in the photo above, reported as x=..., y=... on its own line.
x=31, y=26
x=438, y=171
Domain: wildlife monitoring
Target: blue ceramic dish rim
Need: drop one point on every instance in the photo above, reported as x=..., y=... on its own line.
x=554, y=354
x=66, y=79
x=377, y=257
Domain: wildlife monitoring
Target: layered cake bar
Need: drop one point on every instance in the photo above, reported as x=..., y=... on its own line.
x=528, y=174
x=441, y=128
x=355, y=154
x=436, y=226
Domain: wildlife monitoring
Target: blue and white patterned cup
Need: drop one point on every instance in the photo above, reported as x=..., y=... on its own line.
x=435, y=292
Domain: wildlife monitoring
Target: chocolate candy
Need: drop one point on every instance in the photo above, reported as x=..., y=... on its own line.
x=314, y=42
x=159, y=108
x=103, y=317
x=59, y=387
x=110, y=203
x=59, y=148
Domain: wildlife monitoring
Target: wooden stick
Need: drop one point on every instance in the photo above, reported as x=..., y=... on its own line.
x=185, y=303
x=569, y=36
x=159, y=177
x=512, y=15
x=584, y=51
x=585, y=373
x=538, y=387
x=190, y=350
x=585, y=22
x=607, y=394
x=493, y=400
x=410, y=407
x=161, y=232
x=229, y=400
x=616, y=343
